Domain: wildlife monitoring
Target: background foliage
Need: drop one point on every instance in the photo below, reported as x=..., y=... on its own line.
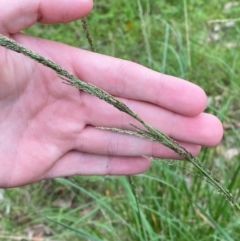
x=179, y=38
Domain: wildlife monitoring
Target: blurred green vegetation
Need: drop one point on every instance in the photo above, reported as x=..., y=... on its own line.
x=175, y=204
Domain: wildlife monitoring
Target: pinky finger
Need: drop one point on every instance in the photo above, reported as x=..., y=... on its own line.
x=77, y=163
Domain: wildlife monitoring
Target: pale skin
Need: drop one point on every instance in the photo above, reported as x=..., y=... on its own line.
x=48, y=128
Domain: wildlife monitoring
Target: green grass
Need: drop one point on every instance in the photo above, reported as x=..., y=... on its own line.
x=175, y=204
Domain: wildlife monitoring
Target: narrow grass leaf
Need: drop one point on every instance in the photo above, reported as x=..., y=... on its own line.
x=218, y=228
x=79, y=232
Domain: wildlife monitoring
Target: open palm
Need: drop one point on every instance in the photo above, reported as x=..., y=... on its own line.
x=48, y=129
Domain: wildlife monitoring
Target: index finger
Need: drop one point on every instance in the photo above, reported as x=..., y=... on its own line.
x=130, y=80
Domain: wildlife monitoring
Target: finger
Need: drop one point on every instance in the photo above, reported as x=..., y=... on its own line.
x=76, y=163
x=123, y=78
x=204, y=129
x=96, y=141
x=130, y=80
x=17, y=15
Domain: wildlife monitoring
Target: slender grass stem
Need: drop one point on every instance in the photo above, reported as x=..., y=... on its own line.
x=144, y=33
x=88, y=35
x=151, y=133
x=134, y=192
x=187, y=33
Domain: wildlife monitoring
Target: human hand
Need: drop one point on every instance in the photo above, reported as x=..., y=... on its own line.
x=48, y=129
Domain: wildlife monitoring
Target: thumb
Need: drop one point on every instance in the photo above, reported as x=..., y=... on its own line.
x=17, y=15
